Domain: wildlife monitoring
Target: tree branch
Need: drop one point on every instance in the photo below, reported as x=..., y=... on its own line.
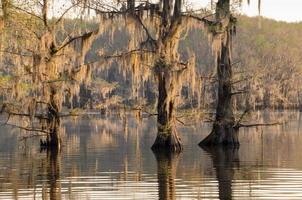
x=39, y=116
x=239, y=92
x=31, y=129
x=88, y=34
x=260, y=124
x=123, y=54
x=27, y=12
x=138, y=19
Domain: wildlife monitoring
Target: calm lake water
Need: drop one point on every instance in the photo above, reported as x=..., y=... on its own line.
x=110, y=158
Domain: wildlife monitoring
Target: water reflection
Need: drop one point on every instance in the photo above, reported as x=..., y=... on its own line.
x=225, y=160
x=53, y=175
x=167, y=162
x=106, y=158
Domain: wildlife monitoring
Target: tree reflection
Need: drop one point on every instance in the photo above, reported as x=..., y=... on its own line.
x=53, y=174
x=167, y=162
x=225, y=160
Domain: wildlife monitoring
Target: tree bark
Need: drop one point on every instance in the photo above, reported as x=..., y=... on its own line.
x=224, y=131
x=167, y=72
x=167, y=137
x=54, y=137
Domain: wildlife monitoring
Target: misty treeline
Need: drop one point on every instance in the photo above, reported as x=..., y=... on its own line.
x=155, y=57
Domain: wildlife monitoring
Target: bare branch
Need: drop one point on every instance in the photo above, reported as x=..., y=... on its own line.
x=65, y=12
x=31, y=129
x=123, y=54
x=31, y=136
x=200, y=19
x=39, y=116
x=27, y=12
x=88, y=34
x=239, y=92
x=247, y=110
x=138, y=19
x=178, y=120
x=44, y=12
x=260, y=124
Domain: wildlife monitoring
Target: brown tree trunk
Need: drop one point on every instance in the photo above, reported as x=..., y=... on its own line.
x=167, y=72
x=224, y=130
x=54, y=137
x=167, y=137
x=167, y=162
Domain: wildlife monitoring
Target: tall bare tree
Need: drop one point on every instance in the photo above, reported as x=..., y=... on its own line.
x=224, y=131
x=222, y=28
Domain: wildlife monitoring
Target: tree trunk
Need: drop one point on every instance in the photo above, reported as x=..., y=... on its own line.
x=167, y=137
x=54, y=137
x=166, y=173
x=224, y=130
x=167, y=72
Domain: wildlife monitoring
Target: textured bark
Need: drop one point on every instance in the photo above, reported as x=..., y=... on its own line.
x=224, y=131
x=166, y=173
x=167, y=71
x=225, y=160
x=167, y=137
x=5, y=7
x=168, y=140
x=54, y=137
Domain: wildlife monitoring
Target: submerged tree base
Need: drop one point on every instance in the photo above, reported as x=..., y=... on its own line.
x=168, y=141
x=53, y=140
x=222, y=134
x=44, y=145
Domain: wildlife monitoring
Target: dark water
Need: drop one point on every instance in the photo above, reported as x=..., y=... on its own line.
x=110, y=158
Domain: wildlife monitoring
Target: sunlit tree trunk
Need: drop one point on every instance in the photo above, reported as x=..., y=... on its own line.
x=224, y=130
x=167, y=136
x=54, y=137
x=167, y=72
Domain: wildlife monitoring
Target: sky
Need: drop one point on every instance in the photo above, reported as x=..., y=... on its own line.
x=281, y=10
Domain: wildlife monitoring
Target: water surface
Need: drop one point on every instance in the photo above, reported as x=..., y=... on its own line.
x=110, y=158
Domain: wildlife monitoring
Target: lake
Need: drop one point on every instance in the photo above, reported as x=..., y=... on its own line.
x=110, y=158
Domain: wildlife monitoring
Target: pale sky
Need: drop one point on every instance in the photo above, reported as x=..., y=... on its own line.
x=284, y=10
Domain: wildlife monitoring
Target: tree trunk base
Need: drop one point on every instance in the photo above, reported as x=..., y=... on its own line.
x=222, y=134
x=168, y=141
x=53, y=141
x=45, y=145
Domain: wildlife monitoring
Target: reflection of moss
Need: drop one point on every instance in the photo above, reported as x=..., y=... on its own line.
x=75, y=111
